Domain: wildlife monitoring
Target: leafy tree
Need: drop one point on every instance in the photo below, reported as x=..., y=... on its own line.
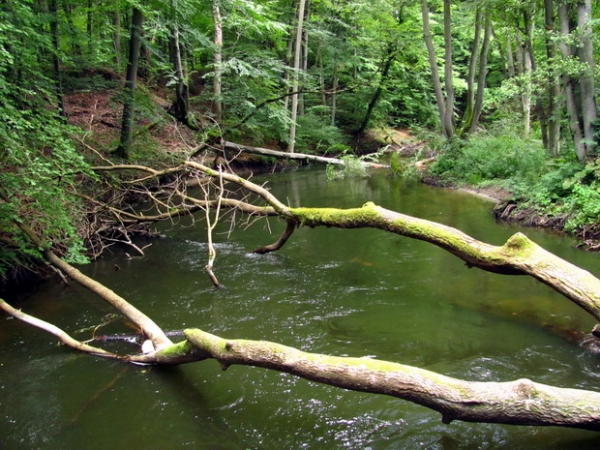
x=39, y=165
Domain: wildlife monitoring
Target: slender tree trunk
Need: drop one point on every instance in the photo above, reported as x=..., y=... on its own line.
x=588, y=90
x=218, y=62
x=482, y=74
x=130, y=83
x=435, y=78
x=295, y=76
x=572, y=109
x=448, y=75
x=90, y=27
x=73, y=30
x=180, y=107
x=53, y=7
x=554, y=94
x=304, y=64
x=524, y=70
x=116, y=22
x=473, y=64
x=334, y=93
x=387, y=62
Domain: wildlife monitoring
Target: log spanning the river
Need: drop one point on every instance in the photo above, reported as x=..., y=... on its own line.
x=518, y=402
x=300, y=156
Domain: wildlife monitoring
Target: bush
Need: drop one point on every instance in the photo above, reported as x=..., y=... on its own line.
x=569, y=189
x=501, y=155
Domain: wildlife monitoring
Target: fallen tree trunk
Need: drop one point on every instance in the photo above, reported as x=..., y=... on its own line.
x=518, y=256
x=301, y=156
x=519, y=402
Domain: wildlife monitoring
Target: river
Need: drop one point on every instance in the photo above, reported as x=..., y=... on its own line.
x=341, y=292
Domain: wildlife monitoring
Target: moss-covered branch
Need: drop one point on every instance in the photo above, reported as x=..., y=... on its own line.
x=519, y=402
x=518, y=256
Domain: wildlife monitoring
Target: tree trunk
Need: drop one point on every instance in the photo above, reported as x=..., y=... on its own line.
x=445, y=106
x=516, y=402
x=529, y=23
x=524, y=66
x=124, y=147
x=588, y=90
x=572, y=109
x=72, y=28
x=387, y=62
x=90, y=27
x=334, y=88
x=231, y=146
x=116, y=23
x=448, y=75
x=519, y=402
x=295, y=76
x=180, y=107
x=218, y=62
x=554, y=94
x=473, y=64
x=435, y=78
x=482, y=73
x=477, y=65
x=53, y=7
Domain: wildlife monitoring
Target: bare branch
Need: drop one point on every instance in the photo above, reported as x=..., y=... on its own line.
x=55, y=331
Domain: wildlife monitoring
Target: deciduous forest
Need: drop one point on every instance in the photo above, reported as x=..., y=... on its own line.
x=117, y=115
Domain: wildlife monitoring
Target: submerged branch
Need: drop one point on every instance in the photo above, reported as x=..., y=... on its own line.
x=63, y=336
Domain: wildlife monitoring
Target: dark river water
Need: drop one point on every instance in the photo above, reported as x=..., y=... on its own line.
x=341, y=292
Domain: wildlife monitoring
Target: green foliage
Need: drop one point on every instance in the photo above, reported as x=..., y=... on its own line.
x=499, y=155
x=568, y=189
x=39, y=164
x=314, y=135
x=353, y=168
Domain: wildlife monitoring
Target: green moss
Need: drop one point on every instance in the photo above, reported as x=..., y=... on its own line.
x=175, y=350
x=342, y=218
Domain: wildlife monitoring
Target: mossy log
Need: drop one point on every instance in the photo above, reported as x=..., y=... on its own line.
x=518, y=402
x=518, y=256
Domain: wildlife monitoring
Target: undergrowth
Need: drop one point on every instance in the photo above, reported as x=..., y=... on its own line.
x=545, y=186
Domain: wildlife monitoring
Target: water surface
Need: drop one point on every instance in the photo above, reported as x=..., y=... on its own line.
x=341, y=292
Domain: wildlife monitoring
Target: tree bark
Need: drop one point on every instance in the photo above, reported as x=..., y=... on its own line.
x=588, y=90
x=130, y=82
x=448, y=75
x=387, y=62
x=569, y=86
x=218, y=62
x=180, y=107
x=53, y=7
x=300, y=156
x=478, y=65
x=520, y=402
x=296, y=75
x=553, y=90
x=435, y=77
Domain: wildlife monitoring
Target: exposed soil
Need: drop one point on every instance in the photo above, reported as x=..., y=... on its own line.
x=99, y=114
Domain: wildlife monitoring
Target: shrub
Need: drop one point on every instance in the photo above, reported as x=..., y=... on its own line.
x=500, y=155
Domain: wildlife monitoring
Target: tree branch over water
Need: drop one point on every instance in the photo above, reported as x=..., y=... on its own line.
x=521, y=401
